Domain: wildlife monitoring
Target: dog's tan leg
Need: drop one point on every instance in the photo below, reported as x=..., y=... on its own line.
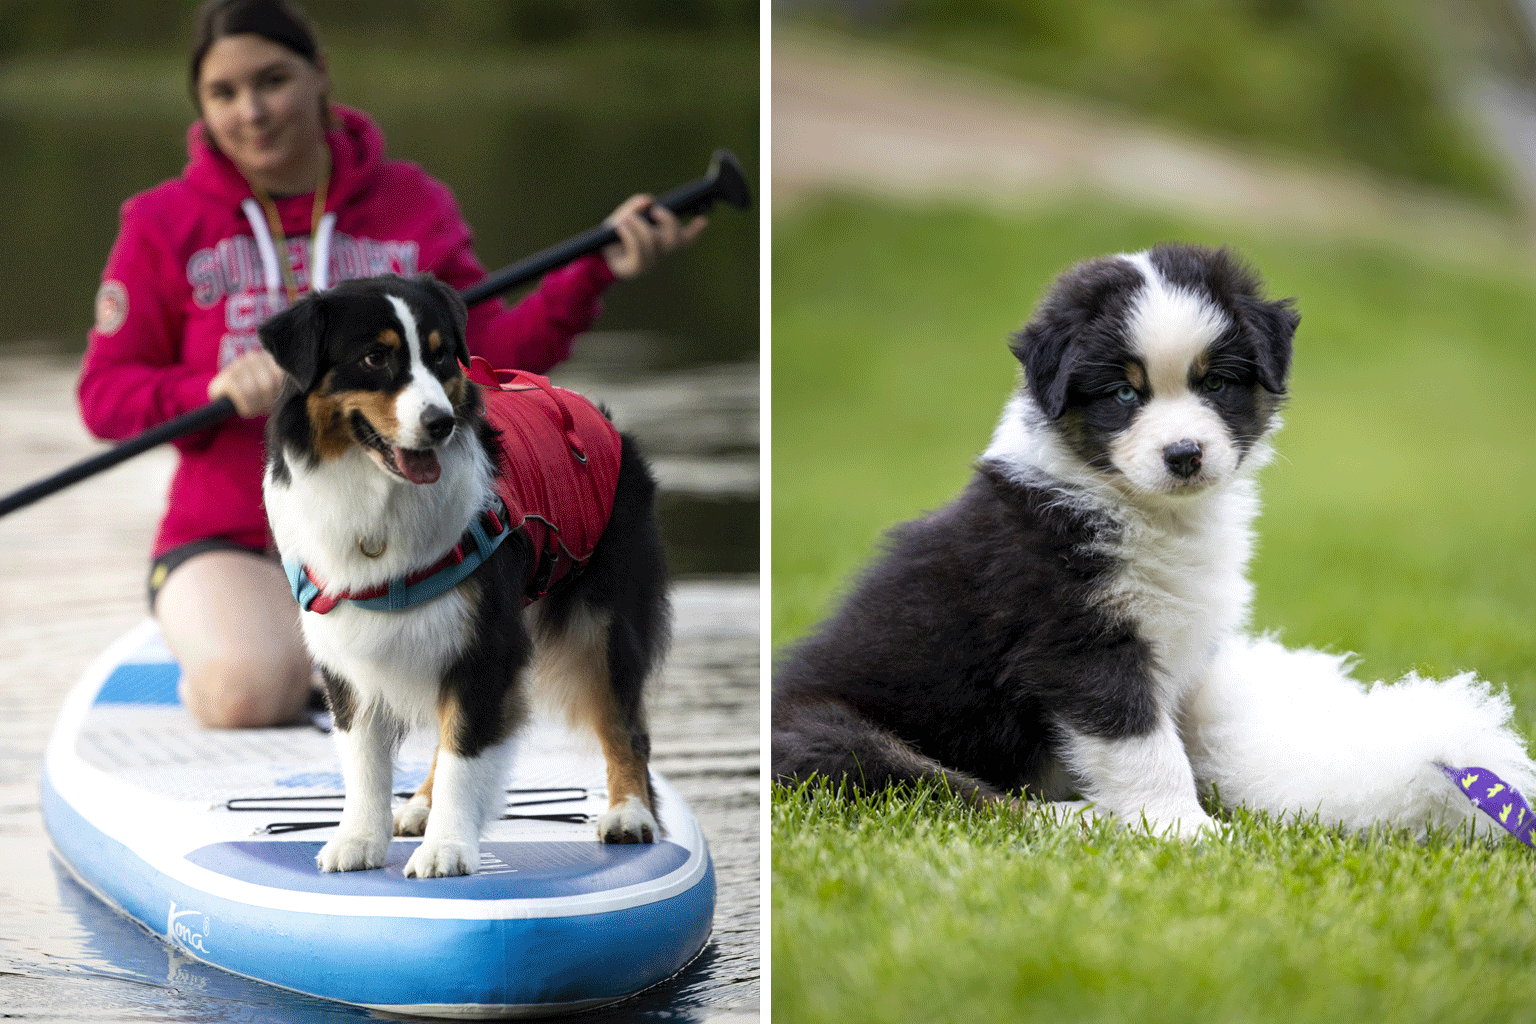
x=411, y=819
x=631, y=805
x=573, y=668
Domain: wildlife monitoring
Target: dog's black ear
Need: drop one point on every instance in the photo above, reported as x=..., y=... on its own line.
x=1042, y=348
x=451, y=306
x=1274, y=326
x=1088, y=298
x=293, y=337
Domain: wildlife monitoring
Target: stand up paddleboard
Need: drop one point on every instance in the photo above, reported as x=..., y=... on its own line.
x=208, y=839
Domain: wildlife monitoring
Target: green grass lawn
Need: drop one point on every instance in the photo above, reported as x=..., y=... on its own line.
x=1398, y=524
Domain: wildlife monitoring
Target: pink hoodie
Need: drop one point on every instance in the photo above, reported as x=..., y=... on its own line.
x=194, y=272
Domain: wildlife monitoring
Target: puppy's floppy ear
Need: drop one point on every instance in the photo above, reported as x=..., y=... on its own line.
x=1274, y=325
x=451, y=305
x=1089, y=299
x=1042, y=348
x=293, y=337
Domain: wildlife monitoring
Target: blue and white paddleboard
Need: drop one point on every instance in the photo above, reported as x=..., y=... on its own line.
x=208, y=839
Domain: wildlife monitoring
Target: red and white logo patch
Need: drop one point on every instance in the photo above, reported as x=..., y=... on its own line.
x=111, y=307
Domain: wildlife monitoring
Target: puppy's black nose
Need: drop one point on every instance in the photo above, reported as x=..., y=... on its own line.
x=1183, y=458
x=438, y=423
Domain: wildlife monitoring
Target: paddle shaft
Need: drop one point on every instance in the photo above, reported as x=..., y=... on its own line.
x=197, y=419
x=723, y=182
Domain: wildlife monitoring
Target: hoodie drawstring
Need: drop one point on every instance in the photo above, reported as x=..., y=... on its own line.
x=267, y=227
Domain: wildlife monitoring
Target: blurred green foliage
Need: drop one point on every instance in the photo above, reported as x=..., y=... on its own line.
x=538, y=138
x=32, y=26
x=1367, y=81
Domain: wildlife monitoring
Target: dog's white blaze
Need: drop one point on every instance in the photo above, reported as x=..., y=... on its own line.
x=423, y=392
x=1170, y=327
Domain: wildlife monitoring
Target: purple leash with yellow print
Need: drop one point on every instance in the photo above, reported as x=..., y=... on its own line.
x=1495, y=798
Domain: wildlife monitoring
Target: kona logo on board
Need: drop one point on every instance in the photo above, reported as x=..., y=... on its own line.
x=181, y=931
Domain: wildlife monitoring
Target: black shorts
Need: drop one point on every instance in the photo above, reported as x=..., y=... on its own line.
x=161, y=568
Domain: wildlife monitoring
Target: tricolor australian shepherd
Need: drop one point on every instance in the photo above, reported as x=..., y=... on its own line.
x=1073, y=623
x=432, y=587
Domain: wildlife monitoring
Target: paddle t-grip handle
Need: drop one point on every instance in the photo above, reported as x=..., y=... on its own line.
x=723, y=182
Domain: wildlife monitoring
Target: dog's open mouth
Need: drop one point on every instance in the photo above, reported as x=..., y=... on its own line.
x=418, y=465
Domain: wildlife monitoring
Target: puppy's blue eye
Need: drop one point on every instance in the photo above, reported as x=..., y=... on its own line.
x=1214, y=384
x=1127, y=395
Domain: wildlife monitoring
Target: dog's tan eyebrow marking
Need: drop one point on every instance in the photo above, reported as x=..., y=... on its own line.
x=457, y=390
x=391, y=337
x=1135, y=375
x=434, y=341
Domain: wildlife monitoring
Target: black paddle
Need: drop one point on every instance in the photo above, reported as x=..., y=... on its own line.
x=723, y=182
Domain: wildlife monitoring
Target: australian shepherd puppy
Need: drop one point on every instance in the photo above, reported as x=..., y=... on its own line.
x=1072, y=624
x=382, y=465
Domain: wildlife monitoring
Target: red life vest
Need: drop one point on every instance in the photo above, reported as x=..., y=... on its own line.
x=559, y=468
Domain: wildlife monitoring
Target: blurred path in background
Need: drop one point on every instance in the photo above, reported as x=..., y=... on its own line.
x=853, y=116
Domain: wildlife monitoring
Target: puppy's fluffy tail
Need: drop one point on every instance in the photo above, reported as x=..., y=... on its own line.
x=1292, y=732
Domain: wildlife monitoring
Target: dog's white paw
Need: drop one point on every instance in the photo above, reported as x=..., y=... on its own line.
x=411, y=819
x=441, y=858
x=353, y=853
x=629, y=822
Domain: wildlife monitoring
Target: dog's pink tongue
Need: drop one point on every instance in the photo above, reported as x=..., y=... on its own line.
x=418, y=465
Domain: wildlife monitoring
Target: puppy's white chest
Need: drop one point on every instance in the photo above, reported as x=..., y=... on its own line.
x=1184, y=589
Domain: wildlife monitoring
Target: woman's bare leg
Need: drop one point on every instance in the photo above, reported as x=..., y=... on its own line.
x=231, y=621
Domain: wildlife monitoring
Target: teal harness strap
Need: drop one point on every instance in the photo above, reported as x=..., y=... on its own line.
x=404, y=595
x=304, y=589
x=475, y=546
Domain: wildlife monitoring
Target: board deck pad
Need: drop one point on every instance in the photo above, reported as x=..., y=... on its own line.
x=208, y=838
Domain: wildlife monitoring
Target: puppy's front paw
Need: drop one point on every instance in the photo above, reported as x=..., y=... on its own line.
x=411, y=820
x=629, y=822
x=353, y=853
x=440, y=858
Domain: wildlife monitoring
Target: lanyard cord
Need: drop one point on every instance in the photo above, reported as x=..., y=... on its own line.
x=275, y=224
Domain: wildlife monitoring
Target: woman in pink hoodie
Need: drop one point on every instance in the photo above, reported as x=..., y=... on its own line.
x=283, y=193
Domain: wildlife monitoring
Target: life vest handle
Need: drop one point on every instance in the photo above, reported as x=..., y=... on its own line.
x=481, y=372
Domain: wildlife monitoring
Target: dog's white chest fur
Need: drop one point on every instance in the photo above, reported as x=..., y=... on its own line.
x=1182, y=580
x=331, y=516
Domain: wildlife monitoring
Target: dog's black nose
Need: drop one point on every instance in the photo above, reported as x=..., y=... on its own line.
x=1183, y=458
x=438, y=423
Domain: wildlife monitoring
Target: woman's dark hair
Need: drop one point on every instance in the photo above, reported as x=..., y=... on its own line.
x=279, y=21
